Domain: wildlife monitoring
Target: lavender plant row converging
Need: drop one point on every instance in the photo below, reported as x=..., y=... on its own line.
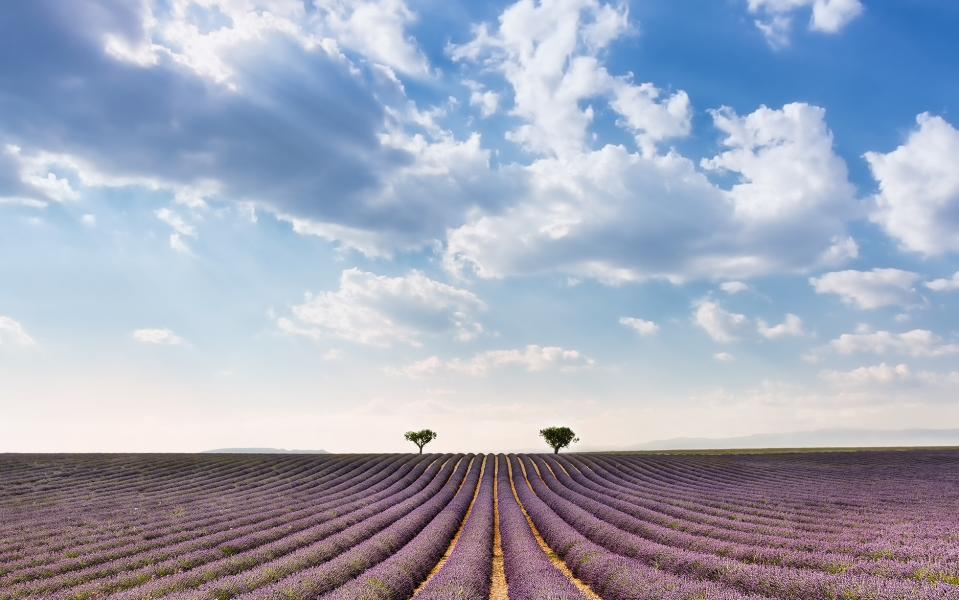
x=864, y=525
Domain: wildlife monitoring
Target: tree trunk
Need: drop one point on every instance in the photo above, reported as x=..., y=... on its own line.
x=555, y=450
x=421, y=449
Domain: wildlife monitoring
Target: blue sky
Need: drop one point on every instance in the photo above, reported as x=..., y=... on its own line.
x=322, y=223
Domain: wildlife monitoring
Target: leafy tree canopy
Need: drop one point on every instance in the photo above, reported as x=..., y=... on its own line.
x=558, y=437
x=421, y=437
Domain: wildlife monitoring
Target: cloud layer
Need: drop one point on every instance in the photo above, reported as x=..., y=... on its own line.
x=378, y=310
x=869, y=289
x=533, y=359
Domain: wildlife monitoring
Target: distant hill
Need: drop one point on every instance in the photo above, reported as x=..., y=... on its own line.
x=828, y=438
x=262, y=451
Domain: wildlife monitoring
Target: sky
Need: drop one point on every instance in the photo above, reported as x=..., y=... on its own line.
x=322, y=223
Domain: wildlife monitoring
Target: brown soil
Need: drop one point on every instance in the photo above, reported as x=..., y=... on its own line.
x=498, y=588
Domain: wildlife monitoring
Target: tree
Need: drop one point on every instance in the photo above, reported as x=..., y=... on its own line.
x=558, y=437
x=421, y=437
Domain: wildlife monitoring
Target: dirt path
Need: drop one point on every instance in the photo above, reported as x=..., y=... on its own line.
x=498, y=589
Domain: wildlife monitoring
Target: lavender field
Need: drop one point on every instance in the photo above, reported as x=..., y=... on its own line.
x=794, y=526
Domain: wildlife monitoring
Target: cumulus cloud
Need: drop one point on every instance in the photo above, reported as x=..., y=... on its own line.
x=12, y=334
x=601, y=216
x=828, y=16
x=549, y=53
x=724, y=357
x=785, y=162
x=486, y=100
x=721, y=325
x=918, y=199
x=379, y=310
x=916, y=343
x=869, y=289
x=881, y=374
x=617, y=216
x=733, y=287
x=842, y=250
x=533, y=359
x=944, y=285
x=162, y=337
x=640, y=326
x=790, y=327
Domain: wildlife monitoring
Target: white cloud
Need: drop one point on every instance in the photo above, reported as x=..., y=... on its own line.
x=916, y=343
x=177, y=222
x=640, y=326
x=32, y=179
x=881, y=374
x=421, y=368
x=486, y=100
x=375, y=29
x=785, y=162
x=550, y=53
x=533, y=359
x=378, y=310
x=617, y=216
x=90, y=220
x=790, y=327
x=944, y=285
x=776, y=29
x=378, y=30
x=13, y=334
x=918, y=199
x=181, y=229
x=842, y=250
x=720, y=324
x=828, y=16
x=884, y=375
x=164, y=337
x=869, y=289
x=733, y=287
x=724, y=357
x=651, y=116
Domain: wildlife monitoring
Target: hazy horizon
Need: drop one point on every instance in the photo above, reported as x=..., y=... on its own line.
x=321, y=224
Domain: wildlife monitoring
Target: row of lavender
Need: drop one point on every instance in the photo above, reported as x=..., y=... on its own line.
x=350, y=498
x=855, y=526
x=148, y=525
x=625, y=524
